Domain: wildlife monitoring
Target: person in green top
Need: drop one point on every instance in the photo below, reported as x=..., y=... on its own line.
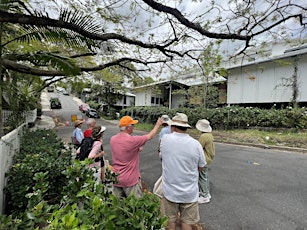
x=206, y=140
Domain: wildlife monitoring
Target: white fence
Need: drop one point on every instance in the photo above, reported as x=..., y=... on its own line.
x=9, y=145
x=30, y=116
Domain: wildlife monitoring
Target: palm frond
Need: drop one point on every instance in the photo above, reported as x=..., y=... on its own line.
x=55, y=36
x=45, y=59
x=83, y=21
x=65, y=64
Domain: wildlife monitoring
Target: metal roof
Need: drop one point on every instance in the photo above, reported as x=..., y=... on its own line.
x=291, y=52
x=187, y=81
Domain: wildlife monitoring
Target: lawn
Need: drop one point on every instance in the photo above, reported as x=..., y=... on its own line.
x=251, y=136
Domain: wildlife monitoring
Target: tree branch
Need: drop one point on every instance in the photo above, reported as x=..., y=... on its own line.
x=43, y=21
x=21, y=68
x=195, y=26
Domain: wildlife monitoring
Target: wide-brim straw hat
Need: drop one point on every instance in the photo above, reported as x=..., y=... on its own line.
x=78, y=122
x=180, y=119
x=204, y=126
x=166, y=119
x=97, y=130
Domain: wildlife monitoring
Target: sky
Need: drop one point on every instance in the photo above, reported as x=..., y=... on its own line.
x=137, y=23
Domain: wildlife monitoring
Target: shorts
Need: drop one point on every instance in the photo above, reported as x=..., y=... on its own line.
x=189, y=213
x=122, y=192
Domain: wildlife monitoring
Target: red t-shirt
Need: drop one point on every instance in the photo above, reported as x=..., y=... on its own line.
x=87, y=133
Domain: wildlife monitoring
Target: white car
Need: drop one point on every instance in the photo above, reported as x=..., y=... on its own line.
x=92, y=113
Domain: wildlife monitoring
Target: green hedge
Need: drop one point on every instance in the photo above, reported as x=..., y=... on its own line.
x=48, y=189
x=229, y=117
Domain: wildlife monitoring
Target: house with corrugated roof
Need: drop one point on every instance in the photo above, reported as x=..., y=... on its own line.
x=162, y=93
x=276, y=75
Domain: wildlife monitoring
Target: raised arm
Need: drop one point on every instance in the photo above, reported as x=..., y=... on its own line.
x=155, y=129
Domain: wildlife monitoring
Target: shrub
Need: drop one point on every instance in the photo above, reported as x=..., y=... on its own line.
x=229, y=117
x=48, y=190
x=40, y=151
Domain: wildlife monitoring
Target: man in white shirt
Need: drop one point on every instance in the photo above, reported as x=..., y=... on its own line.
x=182, y=156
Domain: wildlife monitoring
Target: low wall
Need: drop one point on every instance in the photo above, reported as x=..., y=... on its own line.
x=9, y=145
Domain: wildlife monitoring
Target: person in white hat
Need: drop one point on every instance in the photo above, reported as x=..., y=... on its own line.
x=166, y=127
x=206, y=140
x=182, y=156
x=95, y=151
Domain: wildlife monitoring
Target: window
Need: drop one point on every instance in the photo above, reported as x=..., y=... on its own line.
x=156, y=100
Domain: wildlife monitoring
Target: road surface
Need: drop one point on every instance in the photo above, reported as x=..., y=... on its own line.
x=251, y=188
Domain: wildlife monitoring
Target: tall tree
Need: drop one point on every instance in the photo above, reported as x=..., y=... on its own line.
x=146, y=32
x=118, y=33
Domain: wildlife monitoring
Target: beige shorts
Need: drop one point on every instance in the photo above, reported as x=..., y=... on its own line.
x=189, y=212
x=125, y=192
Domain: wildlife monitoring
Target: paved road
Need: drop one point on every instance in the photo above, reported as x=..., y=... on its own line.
x=251, y=188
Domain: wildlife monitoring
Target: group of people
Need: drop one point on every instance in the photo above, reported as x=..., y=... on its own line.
x=184, y=160
x=95, y=133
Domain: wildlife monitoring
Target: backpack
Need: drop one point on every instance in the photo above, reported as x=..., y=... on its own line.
x=85, y=148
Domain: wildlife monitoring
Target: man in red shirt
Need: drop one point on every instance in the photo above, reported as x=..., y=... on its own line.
x=125, y=156
x=91, y=123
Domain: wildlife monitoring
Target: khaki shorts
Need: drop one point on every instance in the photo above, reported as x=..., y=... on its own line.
x=125, y=192
x=189, y=213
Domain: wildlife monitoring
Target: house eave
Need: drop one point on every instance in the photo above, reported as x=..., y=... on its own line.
x=287, y=54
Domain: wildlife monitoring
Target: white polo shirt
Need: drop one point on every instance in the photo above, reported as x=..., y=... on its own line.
x=181, y=156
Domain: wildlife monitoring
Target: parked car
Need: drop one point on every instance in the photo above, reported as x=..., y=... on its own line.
x=50, y=88
x=92, y=113
x=83, y=108
x=55, y=103
x=65, y=92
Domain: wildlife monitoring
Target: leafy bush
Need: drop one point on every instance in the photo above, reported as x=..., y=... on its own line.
x=47, y=189
x=40, y=151
x=228, y=117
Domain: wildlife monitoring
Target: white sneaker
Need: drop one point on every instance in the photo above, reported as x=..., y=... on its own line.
x=209, y=195
x=203, y=200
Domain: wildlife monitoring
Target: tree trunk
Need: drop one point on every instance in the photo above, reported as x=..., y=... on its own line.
x=295, y=89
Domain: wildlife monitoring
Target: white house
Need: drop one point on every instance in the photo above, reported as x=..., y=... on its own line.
x=276, y=75
x=158, y=94
x=127, y=100
x=272, y=77
x=162, y=93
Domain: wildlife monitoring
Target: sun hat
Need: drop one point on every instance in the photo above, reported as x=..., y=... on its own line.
x=166, y=119
x=180, y=119
x=97, y=130
x=78, y=122
x=204, y=126
x=127, y=120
